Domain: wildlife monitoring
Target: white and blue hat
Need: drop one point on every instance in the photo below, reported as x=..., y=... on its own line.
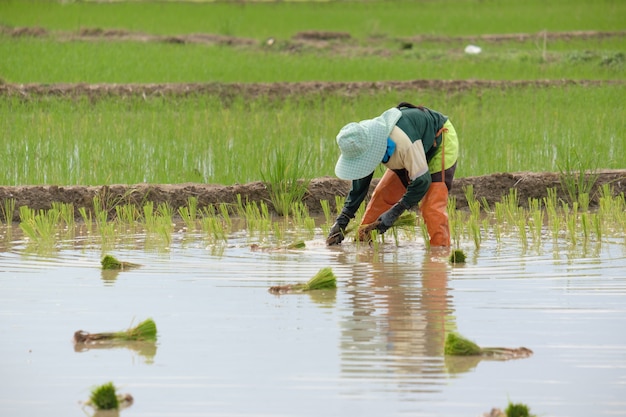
x=363, y=145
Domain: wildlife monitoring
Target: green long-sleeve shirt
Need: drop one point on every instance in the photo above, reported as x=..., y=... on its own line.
x=418, y=124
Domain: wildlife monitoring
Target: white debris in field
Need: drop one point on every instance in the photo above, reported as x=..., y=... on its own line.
x=473, y=49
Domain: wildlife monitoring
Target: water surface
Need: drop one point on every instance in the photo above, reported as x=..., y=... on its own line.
x=373, y=347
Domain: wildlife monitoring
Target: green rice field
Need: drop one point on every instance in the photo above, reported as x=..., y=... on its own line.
x=230, y=139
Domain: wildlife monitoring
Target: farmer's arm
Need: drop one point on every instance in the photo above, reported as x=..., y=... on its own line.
x=357, y=194
x=353, y=201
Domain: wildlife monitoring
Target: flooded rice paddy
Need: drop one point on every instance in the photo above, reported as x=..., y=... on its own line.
x=372, y=347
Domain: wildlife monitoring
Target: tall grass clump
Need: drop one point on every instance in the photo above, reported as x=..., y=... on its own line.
x=285, y=177
x=41, y=225
x=189, y=213
x=577, y=177
x=7, y=208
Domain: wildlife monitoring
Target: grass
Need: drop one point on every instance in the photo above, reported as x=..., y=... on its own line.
x=135, y=62
x=261, y=20
x=286, y=177
x=542, y=219
x=577, y=177
x=202, y=139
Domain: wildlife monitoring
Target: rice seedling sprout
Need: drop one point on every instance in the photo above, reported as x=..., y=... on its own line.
x=457, y=257
x=86, y=217
x=577, y=177
x=284, y=179
x=456, y=345
x=517, y=410
x=104, y=397
x=7, y=208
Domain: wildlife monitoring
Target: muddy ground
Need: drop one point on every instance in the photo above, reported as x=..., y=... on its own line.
x=490, y=187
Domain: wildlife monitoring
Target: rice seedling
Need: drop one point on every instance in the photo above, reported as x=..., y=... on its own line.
x=571, y=221
x=110, y=262
x=328, y=217
x=551, y=207
x=517, y=410
x=120, y=128
x=457, y=345
x=106, y=401
x=66, y=213
x=324, y=279
x=577, y=178
x=286, y=178
x=299, y=244
x=213, y=228
x=189, y=213
x=426, y=236
x=7, y=208
x=40, y=226
x=457, y=257
x=101, y=216
x=521, y=229
x=144, y=331
x=104, y=397
x=87, y=219
x=535, y=224
x=127, y=214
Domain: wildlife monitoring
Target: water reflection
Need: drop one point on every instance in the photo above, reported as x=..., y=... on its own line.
x=145, y=349
x=397, y=320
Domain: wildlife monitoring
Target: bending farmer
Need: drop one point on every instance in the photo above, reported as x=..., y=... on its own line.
x=419, y=147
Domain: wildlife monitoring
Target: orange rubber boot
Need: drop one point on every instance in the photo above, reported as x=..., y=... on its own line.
x=387, y=193
x=434, y=209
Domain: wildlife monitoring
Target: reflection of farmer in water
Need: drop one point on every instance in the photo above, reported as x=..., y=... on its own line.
x=419, y=147
x=396, y=325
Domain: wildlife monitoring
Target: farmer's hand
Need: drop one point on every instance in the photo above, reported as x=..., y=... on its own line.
x=388, y=218
x=338, y=231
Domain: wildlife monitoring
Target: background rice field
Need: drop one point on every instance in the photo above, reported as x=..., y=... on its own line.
x=206, y=138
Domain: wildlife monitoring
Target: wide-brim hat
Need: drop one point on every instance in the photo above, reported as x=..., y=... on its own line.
x=363, y=145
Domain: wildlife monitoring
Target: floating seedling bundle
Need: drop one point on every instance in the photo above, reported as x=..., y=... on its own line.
x=300, y=244
x=145, y=331
x=105, y=397
x=111, y=263
x=325, y=279
x=457, y=345
x=457, y=257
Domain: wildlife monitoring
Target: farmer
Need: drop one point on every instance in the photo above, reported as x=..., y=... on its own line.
x=419, y=147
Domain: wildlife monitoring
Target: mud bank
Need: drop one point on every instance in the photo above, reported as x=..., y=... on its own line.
x=492, y=188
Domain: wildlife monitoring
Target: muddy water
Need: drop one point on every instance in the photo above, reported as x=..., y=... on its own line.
x=373, y=347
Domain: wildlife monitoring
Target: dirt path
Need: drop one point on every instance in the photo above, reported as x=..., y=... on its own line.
x=490, y=187
x=275, y=91
x=319, y=39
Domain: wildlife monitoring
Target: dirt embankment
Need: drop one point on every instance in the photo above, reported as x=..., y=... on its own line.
x=313, y=38
x=492, y=188
x=276, y=91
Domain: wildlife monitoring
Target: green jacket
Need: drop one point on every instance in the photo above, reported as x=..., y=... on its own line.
x=417, y=124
